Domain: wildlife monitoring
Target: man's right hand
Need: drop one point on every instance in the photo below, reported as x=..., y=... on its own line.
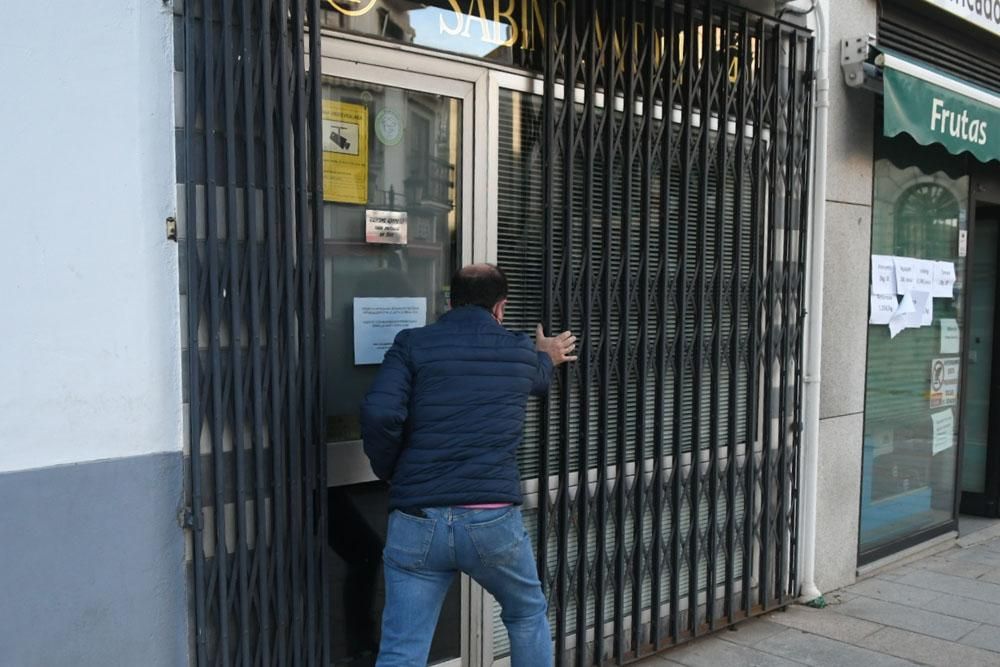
x=559, y=348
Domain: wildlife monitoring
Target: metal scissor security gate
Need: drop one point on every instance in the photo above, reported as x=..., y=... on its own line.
x=662, y=216
x=248, y=173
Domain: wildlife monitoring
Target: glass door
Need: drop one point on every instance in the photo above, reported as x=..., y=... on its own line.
x=980, y=456
x=397, y=169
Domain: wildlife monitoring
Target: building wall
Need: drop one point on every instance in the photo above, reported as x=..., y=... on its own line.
x=90, y=403
x=845, y=305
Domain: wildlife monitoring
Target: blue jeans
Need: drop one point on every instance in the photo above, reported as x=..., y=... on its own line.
x=422, y=556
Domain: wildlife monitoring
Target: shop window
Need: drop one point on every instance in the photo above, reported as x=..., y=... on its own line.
x=521, y=251
x=913, y=379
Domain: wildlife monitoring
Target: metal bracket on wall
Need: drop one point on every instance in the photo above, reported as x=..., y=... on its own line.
x=171, y=228
x=857, y=57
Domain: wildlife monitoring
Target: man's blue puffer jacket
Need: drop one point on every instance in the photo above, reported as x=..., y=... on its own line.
x=445, y=415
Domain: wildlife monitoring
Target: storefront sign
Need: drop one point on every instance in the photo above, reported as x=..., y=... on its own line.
x=377, y=321
x=936, y=108
x=944, y=382
x=345, y=152
x=491, y=28
x=982, y=13
x=385, y=227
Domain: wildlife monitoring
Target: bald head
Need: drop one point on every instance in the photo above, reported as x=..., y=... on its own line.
x=481, y=285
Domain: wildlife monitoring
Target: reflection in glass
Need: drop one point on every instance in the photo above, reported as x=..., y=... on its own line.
x=413, y=161
x=501, y=33
x=908, y=477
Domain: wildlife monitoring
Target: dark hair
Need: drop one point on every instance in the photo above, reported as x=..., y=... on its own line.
x=483, y=285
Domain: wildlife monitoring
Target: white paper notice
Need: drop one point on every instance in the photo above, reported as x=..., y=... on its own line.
x=925, y=275
x=944, y=430
x=901, y=318
x=883, y=307
x=951, y=340
x=944, y=280
x=883, y=275
x=378, y=320
x=928, y=318
x=906, y=274
x=923, y=309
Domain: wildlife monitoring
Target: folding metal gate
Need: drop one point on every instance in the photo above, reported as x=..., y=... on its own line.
x=249, y=162
x=659, y=208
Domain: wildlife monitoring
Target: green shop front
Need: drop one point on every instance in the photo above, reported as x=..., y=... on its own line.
x=931, y=448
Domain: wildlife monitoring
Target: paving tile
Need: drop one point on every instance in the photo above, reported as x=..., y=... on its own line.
x=826, y=622
x=958, y=568
x=928, y=650
x=946, y=583
x=893, y=591
x=987, y=637
x=971, y=610
x=992, y=545
x=712, y=652
x=908, y=618
x=839, y=597
x=992, y=577
x=822, y=652
x=980, y=554
x=751, y=632
x=657, y=661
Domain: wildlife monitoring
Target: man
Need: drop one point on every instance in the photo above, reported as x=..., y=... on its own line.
x=442, y=423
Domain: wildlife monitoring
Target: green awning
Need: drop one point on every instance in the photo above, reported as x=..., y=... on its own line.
x=936, y=108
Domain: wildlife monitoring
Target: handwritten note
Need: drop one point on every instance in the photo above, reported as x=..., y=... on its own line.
x=944, y=280
x=927, y=301
x=906, y=274
x=925, y=275
x=923, y=309
x=883, y=275
x=883, y=306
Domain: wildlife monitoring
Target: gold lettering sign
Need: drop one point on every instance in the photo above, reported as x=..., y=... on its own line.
x=521, y=24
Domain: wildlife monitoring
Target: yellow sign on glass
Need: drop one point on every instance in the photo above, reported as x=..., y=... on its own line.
x=345, y=152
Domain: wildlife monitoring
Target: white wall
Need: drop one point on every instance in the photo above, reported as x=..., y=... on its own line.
x=90, y=356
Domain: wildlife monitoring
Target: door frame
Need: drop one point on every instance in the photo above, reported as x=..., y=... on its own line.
x=361, y=59
x=984, y=191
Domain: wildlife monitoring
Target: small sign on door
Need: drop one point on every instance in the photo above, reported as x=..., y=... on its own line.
x=944, y=382
x=385, y=227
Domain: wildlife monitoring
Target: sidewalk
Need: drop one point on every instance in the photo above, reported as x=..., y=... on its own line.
x=941, y=610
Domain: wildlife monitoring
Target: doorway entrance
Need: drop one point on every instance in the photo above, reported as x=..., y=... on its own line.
x=980, y=472
x=397, y=202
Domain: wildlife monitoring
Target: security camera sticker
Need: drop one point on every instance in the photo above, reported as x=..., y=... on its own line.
x=341, y=137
